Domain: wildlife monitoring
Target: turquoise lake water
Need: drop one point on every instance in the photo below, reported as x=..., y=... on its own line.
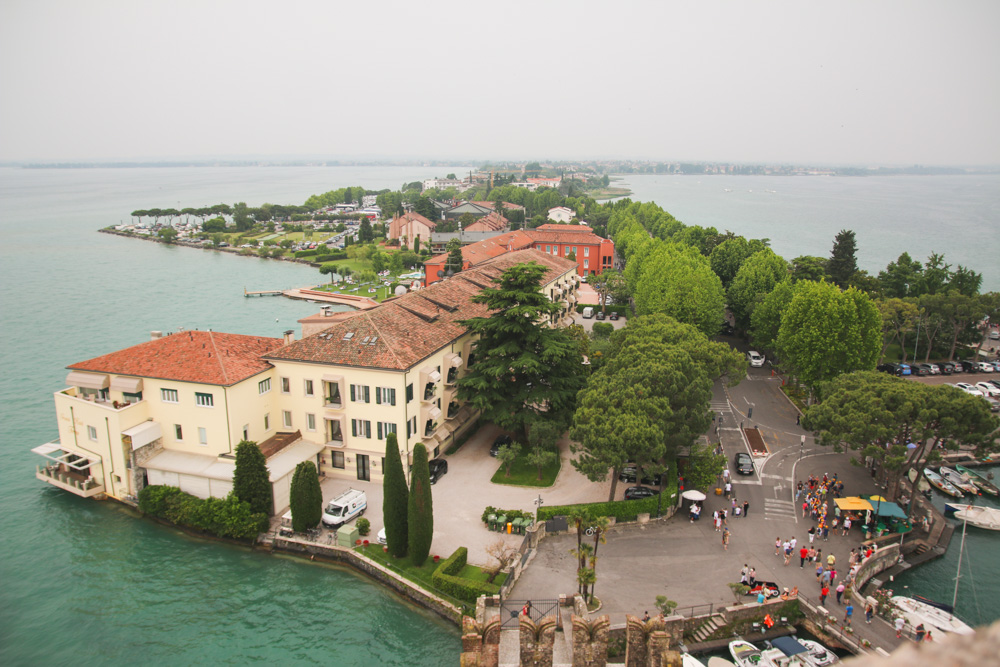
x=86, y=583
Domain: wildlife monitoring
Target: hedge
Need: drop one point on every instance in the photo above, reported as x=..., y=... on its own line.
x=305, y=253
x=330, y=256
x=622, y=510
x=622, y=309
x=226, y=518
x=510, y=514
x=446, y=580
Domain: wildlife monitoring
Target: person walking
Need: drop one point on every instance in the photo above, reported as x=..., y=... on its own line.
x=840, y=592
x=777, y=546
x=743, y=574
x=803, y=555
x=752, y=577
x=899, y=623
x=819, y=573
x=729, y=489
x=746, y=508
x=869, y=610
x=812, y=534
x=823, y=592
x=725, y=539
x=928, y=638
x=792, y=542
x=920, y=633
x=831, y=560
x=848, y=613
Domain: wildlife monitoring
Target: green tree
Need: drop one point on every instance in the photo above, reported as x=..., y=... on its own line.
x=455, y=261
x=678, y=281
x=241, y=217
x=251, y=478
x=214, y=225
x=506, y=455
x=524, y=368
x=727, y=257
x=935, y=277
x=899, y=319
x=543, y=437
x=306, y=497
x=365, y=233
x=466, y=219
x=420, y=514
x=168, y=234
x=808, y=267
x=826, y=332
x=396, y=499
x=843, y=263
x=704, y=467
x=755, y=279
x=901, y=278
x=425, y=207
x=765, y=321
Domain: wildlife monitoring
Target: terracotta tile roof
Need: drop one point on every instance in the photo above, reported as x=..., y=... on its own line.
x=207, y=357
x=552, y=236
x=401, y=332
x=476, y=253
x=553, y=227
x=489, y=223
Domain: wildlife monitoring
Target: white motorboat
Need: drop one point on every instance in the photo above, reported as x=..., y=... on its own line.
x=789, y=651
x=959, y=480
x=932, y=617
x=688, y=660
x=819, y=655
x=984, y=483
x=941, y=484
x=978, y=516
x=716, y=661
x=744, y=653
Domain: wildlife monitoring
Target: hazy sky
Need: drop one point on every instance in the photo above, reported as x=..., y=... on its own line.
x=822, y=82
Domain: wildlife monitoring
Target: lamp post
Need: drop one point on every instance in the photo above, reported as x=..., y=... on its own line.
x=538, y=503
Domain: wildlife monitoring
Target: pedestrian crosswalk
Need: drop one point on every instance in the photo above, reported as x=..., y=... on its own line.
x=779, y=510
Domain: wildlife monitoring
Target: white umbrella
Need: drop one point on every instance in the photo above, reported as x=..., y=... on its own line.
x=693, y=494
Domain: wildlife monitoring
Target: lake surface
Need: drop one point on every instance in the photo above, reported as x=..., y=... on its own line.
x=86, y=583
x=957, y=216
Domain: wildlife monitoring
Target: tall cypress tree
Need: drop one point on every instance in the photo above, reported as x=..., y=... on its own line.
x=421, y=510
x=395, y=501
x=843, y=262
x=306, y=497
x=251, y=479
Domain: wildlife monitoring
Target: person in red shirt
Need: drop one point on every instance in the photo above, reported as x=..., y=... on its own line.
x=822, y=595
x=803, y=555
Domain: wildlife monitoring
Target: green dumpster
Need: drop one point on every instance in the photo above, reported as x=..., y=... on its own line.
x=517, y=527
x=491, y=522
x=502, y=523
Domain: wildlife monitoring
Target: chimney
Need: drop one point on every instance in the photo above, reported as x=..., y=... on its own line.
x=326, y=311
x=289, y=337
x=155, y=335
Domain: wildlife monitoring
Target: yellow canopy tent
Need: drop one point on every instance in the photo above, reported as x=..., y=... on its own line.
x=852, y=504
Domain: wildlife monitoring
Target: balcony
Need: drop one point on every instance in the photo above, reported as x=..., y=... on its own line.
x=93, y=399
x=333, y=402
x=68, y=480
x=453, y=410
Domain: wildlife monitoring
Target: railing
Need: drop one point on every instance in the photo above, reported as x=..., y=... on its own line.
x=334, y=402
x=56, y=477
x=695, y=610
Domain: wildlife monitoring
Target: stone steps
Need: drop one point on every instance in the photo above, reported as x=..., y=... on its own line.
x=708, y=628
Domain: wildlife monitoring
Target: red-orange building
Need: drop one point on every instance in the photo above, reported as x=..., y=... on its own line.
x=593, y=254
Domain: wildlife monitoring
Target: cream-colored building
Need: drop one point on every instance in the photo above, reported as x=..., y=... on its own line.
x=172, y=410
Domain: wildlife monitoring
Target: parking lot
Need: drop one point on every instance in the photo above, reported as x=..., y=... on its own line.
x=462, y=494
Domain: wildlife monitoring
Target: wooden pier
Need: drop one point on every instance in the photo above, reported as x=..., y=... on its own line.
x=267, y=292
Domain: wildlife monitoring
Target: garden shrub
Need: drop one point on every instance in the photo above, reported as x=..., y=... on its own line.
x=305, y=253
x=622, y=510
x=227, y=517
x=445, y=578
x=510, y=514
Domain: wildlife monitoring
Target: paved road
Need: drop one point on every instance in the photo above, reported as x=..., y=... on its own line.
x=685, y=560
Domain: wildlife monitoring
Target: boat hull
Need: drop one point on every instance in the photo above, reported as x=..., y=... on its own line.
x=932, y=618
x=981, y=482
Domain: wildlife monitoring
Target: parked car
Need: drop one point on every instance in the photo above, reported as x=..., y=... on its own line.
x=935, y=369
x=627, y=474
x=994, y=403
x=726, y=329
x=921, y=369
x=988, y=389
x=995, y=334
x=905, y=369
x=613, y=315
x=984, y=366
x=381, y=536
x=501, y=441
x=349, y=504
x=638, y=492
x=744, y=464
x=755, y=358
x=438, y=468
x=891, y=369
x=968, y=388
x=599, y=315
x=949, y=367
x=967, y=367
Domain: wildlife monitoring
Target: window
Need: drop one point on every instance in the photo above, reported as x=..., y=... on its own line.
x=204, y=400
x=286, y=418
x=267, y=422
x=337, y=459
x=246, y=431
x=385, y=395
x=309, y=388
x=310, y=422
x=202, y=435
x=359, y=393
x=409, y=392
x=132, y=398
x=264, y=386
x=286, y=386
x=574, y=250
x=586, y=251
x=92, y=433
x=169, y=396
x=411, y=427
x=361, y=428
x=586, y=263
x=548, y=249
x=384, y=429
x=178, y=432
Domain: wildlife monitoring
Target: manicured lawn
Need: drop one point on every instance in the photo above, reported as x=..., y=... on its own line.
x=479, y=574
x=522, y=474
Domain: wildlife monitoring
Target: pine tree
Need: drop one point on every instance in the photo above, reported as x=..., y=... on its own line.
x=843, y=263
x=306, y=497
x=251, y=479
x=395, y=503
x=421, y=509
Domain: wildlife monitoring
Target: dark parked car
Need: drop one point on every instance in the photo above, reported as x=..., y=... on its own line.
x=613, y=315
x=947, y=368
x=638, y=492
x=438, y=468
x=599, y=315
x=628, y=475
x=921, y=369
x=891, y=369
x=967, y=367
x=501, y=441
x=726, y=329
x=744, y=464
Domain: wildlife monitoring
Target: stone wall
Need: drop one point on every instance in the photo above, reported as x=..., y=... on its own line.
x=879, y=561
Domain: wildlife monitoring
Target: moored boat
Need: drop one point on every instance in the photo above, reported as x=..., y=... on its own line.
x=716, y=661
x=959, y=481
x=744, y=653
x=932, y=617
x=985, y=485
x=688, y=660
x=819, y=655
x=941, y=484
x=979, y=516
x=788, y=651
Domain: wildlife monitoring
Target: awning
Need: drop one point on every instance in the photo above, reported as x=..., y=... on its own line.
x=87, y=380
x=126, y=384
x=693, y=494
x=434, y=376
x=333, y=378
x=889, y=509
x=54, y=452
x=285, y=461
x=434, y=412
x=143, y=434
x=457, y=361
x=852, y=504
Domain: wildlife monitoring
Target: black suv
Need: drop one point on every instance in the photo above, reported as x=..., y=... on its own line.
x=599, y=315
x=628, y=475
x=501, y=441
x=638, y=492
x=891, y=369
x=744, y=464
x=967, y=367
x=438, y=467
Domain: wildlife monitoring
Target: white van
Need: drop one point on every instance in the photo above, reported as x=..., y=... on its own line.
x=588, y=312
x=351, y=503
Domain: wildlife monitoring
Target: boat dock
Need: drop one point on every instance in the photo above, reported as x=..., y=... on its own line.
x=267, y=292
x=306, y=294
